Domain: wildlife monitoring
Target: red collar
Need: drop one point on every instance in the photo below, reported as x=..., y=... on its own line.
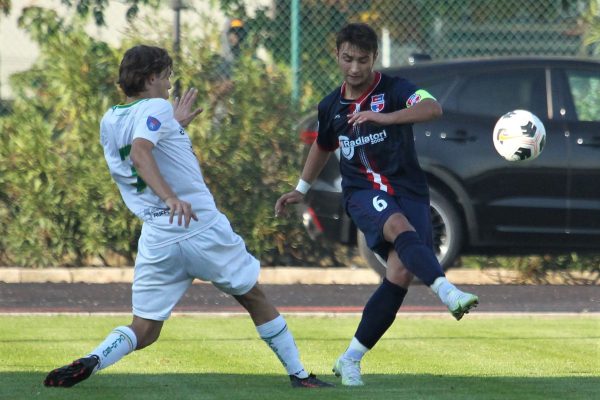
x=376, y=80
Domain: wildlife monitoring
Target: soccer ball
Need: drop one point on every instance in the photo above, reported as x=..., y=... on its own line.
x=519, y=135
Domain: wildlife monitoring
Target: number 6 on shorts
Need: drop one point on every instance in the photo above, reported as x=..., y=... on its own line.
x=379, y=204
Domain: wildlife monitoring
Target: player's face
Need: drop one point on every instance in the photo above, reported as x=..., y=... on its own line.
x=356, y=65
x=159, y=84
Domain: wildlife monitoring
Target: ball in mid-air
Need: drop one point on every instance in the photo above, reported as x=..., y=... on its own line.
x=519, y=135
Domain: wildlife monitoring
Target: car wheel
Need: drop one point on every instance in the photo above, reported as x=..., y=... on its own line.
x=447, y=229
x=447, y=235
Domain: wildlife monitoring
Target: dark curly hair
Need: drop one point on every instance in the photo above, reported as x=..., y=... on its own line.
x=138, y=64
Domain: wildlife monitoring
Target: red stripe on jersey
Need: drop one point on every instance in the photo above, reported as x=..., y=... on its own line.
x=369, y=176
x=378, y=181
x=383, y=179
x=363, y=97
x=386, y=182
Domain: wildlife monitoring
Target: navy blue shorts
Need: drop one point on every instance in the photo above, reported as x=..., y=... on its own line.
x=370, y=209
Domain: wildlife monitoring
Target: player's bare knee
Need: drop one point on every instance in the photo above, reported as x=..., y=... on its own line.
x=146, y=331
x=253, y=296
x=399, y=276
x=147, y=340
x=396, y=272
x=396, y=225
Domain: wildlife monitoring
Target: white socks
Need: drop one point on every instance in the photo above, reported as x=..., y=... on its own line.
x=276, y=334
x=355, y=351
x=442, y=288
x=120, y=342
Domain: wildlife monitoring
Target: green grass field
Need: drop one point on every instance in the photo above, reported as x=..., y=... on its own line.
x=213, y=357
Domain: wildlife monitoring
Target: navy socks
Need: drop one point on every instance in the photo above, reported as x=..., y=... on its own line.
x=381, y=309
x=418, y=258
x=379, y=313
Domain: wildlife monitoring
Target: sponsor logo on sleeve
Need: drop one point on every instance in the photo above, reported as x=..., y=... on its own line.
x=153, y=124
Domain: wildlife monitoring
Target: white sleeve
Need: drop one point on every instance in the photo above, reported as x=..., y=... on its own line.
x=153, y=119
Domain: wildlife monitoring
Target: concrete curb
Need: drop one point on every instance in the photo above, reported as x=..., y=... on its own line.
x=291, y=275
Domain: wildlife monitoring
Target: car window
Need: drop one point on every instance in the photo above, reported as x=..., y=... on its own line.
x=495, y=93
x=585, y=92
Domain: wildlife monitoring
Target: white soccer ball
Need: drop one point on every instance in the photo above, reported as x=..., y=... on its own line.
x=519, y=135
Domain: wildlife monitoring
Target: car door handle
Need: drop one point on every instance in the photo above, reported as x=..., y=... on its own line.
x=594, y=142
x=459, y=135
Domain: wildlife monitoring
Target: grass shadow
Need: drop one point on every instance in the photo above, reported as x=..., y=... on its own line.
x=174, y=386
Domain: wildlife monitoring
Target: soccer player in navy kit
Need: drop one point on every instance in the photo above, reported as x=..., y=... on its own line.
x=369, y=117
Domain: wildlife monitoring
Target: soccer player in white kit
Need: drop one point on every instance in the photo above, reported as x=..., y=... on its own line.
x=184, y=236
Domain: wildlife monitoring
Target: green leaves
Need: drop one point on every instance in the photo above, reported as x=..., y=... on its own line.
x=5, y=6
x=58, y=203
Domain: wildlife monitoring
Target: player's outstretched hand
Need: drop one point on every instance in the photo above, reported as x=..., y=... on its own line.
x=182, y=107
x=292, y=197
x=367, y=116
x=182, y=209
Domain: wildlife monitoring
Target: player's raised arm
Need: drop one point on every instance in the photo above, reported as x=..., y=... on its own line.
x=424, y=110
x=316, y=160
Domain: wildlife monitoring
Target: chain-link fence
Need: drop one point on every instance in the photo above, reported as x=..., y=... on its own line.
x=422, y=29
x=301, y=33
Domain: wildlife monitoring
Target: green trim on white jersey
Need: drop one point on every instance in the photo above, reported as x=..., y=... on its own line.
x=128, y=104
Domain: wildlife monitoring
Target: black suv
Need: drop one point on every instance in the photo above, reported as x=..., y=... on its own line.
x=480, y=202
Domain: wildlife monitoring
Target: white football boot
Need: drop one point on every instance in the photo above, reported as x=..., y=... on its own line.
x=349, y=370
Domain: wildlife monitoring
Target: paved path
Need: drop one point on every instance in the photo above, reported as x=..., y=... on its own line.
x=116, y=297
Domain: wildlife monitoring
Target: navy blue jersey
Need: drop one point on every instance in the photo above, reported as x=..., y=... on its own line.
x=372, y=156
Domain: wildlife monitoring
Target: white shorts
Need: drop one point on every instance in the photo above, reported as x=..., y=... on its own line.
x=162, y=275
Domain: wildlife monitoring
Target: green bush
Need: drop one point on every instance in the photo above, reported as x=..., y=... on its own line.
x=250, y=152
x=534, y=267
x=58, y=204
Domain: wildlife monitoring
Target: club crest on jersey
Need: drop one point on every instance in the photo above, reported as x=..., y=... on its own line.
x=377, y=102
x=153, y=124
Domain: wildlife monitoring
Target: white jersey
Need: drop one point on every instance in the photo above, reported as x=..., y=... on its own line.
x=153, y=120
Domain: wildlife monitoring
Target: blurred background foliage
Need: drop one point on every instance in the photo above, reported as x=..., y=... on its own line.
x=58, y=204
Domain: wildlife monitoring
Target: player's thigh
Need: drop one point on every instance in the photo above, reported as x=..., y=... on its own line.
x=369, y=210
x=160, y=280
x=219, y=255
x=418, y=215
